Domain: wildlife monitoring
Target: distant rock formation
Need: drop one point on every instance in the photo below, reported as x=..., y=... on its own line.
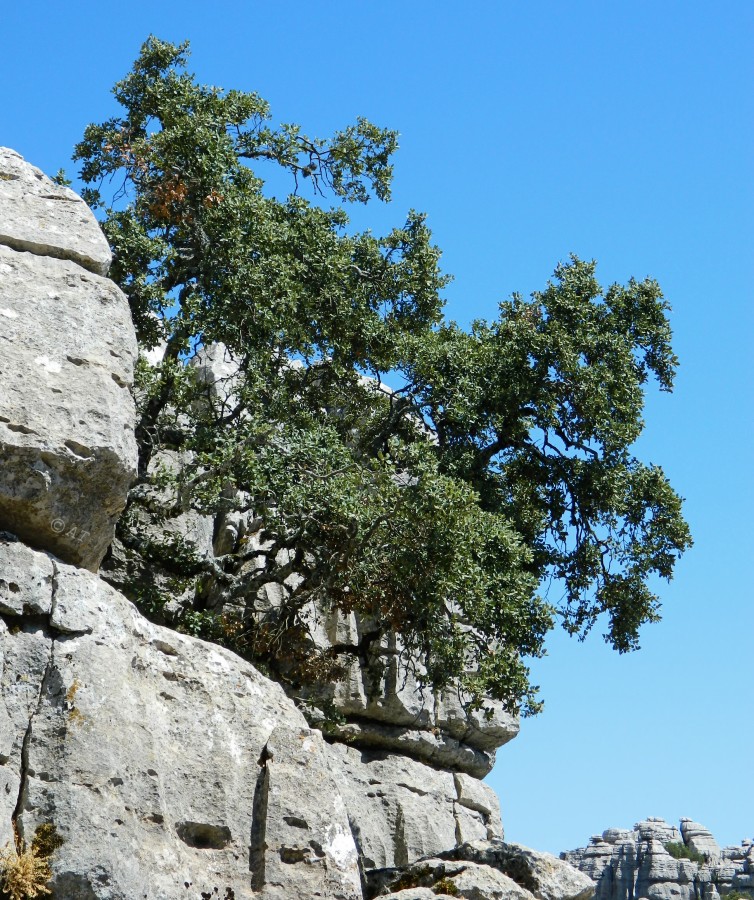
x=661, y=862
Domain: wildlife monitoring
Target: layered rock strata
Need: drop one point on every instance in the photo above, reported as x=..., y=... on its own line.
x=67, y=354
x=47, y=219
x=661, y=862
x=169, y=767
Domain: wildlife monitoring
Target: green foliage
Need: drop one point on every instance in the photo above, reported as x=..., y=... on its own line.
x=501, y=463
x=679, y=850
x=46, y=840
x=61, y=178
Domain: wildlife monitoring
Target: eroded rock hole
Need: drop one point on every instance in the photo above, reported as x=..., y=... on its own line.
x=203, y=836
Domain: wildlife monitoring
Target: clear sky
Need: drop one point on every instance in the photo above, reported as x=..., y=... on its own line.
x=619, y=131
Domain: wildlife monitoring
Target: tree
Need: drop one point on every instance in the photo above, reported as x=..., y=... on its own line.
x=500, y=463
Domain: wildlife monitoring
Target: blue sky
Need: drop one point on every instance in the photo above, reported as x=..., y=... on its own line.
x=618, y=131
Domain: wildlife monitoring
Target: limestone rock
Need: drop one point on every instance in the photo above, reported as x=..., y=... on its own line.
x=545, y=876
x=305, y=847
x=594, y=859
x=656, y=829
x=699, y=839
x=385, y=707
x=47, y=219
x=484, y=870
x=431, y=746
x=552, y=879
x=401, y=809
x=67, y=352
x=380, y=705
x=218, y=372
x=157, y=518
x=417, y=894
x=25, y=582
x=468, y=880
x=147, y=749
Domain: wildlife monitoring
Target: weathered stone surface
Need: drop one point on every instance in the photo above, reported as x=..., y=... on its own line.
x=66, y=411
x=305, y=847
x=545, y=876
x=216, y=369
x=421, y=893
x=25, y=582
x=143, y=747
x=67, y=351
x=401, y=809
x=380, y=703
x=157, y=518
x=699, y=839
x=636, y=863
x=47, y=219
x=434, y=747
x=468, y=880
x=552, y=879
x=656, y=829
x=385, y=707
x=661, y=877
x=488, y=869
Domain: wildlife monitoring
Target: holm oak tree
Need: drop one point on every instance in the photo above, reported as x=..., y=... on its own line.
x=497, y=465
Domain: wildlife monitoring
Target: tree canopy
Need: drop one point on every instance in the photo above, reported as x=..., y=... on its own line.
x=490, y=492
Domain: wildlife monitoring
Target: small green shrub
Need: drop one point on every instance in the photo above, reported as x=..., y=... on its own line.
x=680, y=851
x=445, y=886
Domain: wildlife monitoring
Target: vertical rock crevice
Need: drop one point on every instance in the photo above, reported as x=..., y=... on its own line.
x=23, y=786
x=257, y=842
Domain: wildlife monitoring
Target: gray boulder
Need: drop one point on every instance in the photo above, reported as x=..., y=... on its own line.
x=421, y=893
x=167, y=765
x=66, y=413
x=40, y=216
x=401, y=810
x=438, y=878
x=699, y=839
x=486, y=870
x=384, y=707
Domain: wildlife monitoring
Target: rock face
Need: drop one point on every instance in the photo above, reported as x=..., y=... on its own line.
x=161, y=760
x=168, y=767
x=153, y=764
x=66, y=367
x=402, y=810
x=658, y=861
x=47, y=219
x=482, y=871
x=383, y=707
